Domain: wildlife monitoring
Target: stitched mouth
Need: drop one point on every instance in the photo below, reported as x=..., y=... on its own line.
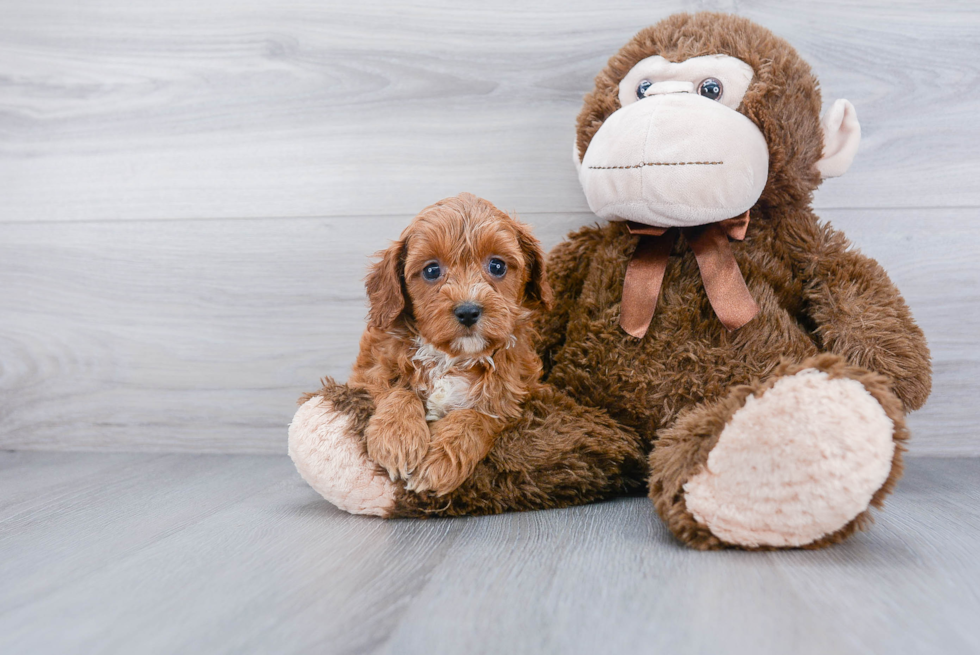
x=659, y=163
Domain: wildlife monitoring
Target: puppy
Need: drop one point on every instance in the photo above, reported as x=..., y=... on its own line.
x=448, y=354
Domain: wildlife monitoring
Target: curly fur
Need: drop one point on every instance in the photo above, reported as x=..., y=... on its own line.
x=443, y=389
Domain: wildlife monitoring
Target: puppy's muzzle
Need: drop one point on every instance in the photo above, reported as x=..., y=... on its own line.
x=468, y=313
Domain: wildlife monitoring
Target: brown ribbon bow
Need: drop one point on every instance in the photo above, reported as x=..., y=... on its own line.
x=723, y=282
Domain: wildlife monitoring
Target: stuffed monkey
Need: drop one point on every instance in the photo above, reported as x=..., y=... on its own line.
x=711, y=341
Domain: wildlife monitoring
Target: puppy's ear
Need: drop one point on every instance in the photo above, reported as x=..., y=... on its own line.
x=536, y=290
x=386, y=287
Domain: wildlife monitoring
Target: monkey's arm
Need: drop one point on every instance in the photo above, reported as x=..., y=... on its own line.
x=568, y=264
x=558, y=453
x=859, y=314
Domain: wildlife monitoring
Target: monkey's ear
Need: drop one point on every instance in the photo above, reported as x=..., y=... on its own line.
x=385, y=287
x=575, y=159
x=537, y=291
x=841, y=138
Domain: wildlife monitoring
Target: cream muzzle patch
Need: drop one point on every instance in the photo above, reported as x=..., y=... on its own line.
x=670, y=157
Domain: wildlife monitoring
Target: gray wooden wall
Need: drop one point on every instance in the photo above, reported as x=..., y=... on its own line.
x=189, y=190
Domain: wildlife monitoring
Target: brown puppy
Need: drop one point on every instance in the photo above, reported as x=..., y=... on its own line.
x=448, y=354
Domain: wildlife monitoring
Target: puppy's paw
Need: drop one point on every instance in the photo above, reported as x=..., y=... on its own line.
x=397, y=446
x=442, y=471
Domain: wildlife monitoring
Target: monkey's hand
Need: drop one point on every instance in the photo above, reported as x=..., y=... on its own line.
x=397, y=436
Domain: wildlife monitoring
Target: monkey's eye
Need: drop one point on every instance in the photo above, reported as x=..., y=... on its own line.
x=431, y=272
x=497, y=267
x=641, y=89
x=710, y=89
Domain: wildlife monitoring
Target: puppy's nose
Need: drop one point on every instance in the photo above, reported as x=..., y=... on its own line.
x=468, y=313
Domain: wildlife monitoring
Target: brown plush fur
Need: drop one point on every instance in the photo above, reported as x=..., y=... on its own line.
x=557, y=454
x=414, y=341
x=822, y=305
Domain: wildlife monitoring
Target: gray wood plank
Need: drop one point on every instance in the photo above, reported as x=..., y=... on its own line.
x=116, y=110
x=99, y=514
x=199, y=335
x=27, y=479
x=608, y=578
x=281, y=571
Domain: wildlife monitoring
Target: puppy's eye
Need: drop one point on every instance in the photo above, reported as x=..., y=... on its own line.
x=641, y=89
x=710, y=89
x=497, y=267
x=431, y=272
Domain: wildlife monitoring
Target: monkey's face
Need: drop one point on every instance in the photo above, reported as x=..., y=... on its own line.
x=677, y=152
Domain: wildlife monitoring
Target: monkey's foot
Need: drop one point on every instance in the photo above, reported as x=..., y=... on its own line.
x=332, y=458
x=795, y=461
x=795, y=464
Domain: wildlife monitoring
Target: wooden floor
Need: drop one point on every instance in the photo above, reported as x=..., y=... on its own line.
x=139, y=553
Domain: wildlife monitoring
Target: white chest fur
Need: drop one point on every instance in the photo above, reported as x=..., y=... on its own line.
x=447, y=393
x=448, y=387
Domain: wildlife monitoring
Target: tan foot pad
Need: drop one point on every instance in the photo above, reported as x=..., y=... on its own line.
x=334, y=463
x=795, y=464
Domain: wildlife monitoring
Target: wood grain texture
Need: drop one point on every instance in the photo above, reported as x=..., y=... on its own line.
x=199, y=335
x=190, y=193
x=233, y=554
x=135, y=110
